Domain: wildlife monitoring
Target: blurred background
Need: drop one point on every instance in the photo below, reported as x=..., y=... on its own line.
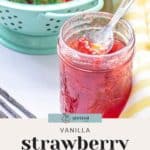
x=139, y=17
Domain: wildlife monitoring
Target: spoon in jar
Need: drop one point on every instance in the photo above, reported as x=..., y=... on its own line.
x=104, y=37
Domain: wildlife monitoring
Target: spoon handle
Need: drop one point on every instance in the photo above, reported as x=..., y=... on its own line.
x=125, y=4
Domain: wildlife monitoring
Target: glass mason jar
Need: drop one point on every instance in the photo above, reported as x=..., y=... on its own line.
x=95, y=83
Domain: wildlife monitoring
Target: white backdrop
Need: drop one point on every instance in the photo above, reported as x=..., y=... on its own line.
x=31, y=80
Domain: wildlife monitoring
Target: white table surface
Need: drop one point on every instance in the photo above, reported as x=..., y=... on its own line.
x=31, y=80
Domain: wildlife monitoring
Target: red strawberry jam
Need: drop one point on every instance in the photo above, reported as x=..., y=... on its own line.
x=93, y=81
x=87, y=47
x=97, y=91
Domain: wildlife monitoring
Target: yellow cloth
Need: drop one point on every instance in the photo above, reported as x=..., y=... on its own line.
x=139, y=101
x=139, y=17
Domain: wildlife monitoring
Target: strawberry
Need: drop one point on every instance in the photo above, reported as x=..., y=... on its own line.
x=117, y=46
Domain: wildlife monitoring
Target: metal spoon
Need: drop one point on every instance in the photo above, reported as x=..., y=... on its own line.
x=104, y=36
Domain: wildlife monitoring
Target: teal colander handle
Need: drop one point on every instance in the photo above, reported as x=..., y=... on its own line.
x=67, y=15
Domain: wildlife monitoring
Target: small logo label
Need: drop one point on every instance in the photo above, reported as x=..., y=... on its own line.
x=76, y=118
x=65, y=118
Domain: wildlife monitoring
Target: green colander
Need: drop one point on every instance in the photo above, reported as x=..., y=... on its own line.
x=33, y=29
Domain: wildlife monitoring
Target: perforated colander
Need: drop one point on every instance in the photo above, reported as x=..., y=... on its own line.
x=33, y=29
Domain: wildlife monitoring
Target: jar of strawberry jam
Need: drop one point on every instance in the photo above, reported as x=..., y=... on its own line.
x=91, y=81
